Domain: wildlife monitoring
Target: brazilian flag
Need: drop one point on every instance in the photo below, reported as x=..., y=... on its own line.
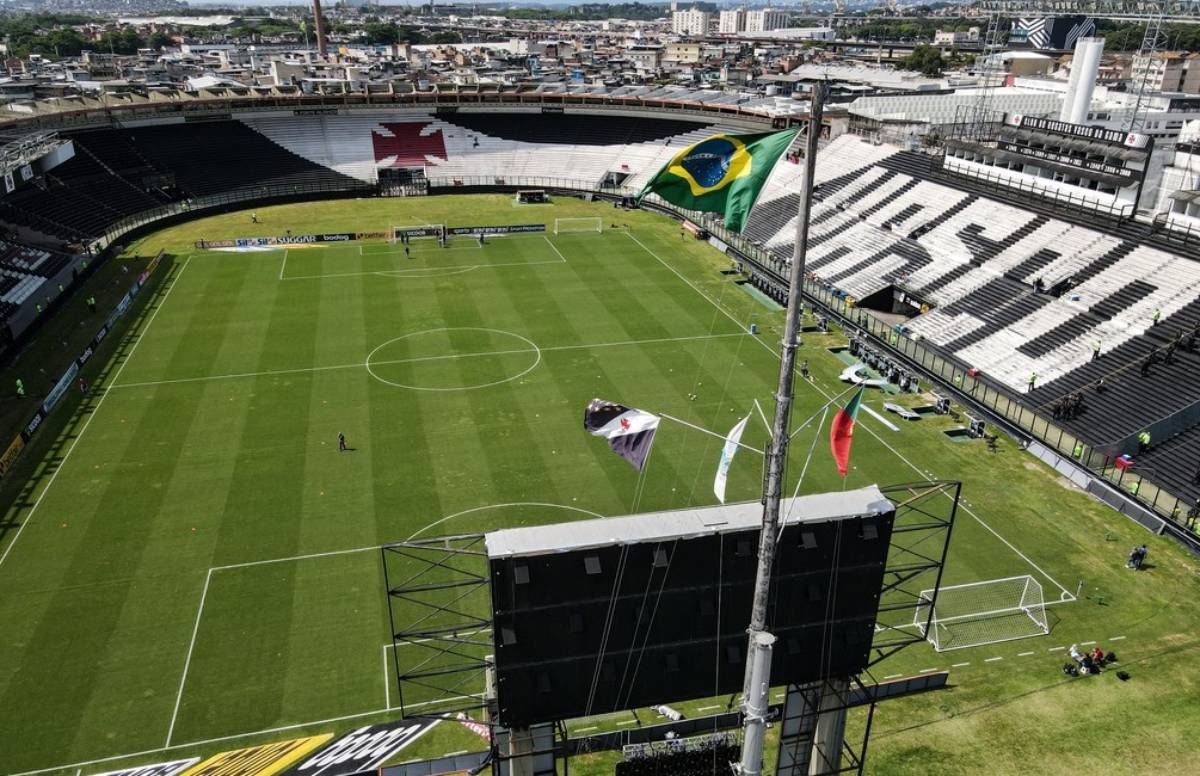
x=721, y=174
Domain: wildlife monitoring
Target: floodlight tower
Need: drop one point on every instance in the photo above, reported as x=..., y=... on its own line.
x=1146, y=52
x=988, y=69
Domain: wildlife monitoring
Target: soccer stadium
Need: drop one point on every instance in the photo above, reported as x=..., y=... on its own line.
x=295, y=479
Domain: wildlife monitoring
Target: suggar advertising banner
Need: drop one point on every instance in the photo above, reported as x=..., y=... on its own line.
x=362, y=750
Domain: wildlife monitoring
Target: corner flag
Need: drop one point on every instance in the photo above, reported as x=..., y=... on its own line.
x=731, y=446
x=721, y=174
x=841, y=432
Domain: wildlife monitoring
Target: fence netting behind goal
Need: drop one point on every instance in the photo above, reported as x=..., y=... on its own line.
x=982, y=613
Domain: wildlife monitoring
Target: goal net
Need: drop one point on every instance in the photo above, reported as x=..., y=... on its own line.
x=979, y=613
x=418, y=232
x=571, y=225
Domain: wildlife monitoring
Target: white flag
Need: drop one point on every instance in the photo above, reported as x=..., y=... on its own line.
x=731, y=446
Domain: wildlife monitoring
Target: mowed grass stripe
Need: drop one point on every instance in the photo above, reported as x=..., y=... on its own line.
x=261, y=512
x=567, y=380
x=84, y=628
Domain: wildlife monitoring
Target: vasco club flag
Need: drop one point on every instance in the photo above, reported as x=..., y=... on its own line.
x=629, y=432
x=721, y=174
x=731, y=446
x=841, y=433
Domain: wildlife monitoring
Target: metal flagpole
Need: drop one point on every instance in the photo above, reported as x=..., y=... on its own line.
x=758, y=655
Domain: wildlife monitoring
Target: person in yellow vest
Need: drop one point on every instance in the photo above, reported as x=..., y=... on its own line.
x=1032, y=381
x=1155, y=317
x=1096, y=350
x=1143, y=438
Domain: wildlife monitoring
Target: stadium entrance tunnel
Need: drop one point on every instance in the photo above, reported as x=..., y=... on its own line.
x=894, y=300
x=453, y=359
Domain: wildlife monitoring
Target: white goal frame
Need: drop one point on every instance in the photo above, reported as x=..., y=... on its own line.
x=395, y=228
x=578, y=225
x=979, y=613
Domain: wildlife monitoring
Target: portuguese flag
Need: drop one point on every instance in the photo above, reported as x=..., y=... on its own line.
x=841, y=433
x=721, y=174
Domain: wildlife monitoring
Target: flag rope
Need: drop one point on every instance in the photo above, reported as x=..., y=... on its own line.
x=665, y=416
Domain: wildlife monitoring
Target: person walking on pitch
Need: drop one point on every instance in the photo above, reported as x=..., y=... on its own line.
x=341, y=442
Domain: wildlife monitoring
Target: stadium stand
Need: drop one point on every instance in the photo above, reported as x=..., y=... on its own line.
x=550, y=146
x=1013, y=287
x=117, y=172
x=1013, y=291
x=23, y=270
x=575, y=129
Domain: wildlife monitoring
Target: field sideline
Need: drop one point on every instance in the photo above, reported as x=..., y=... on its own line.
x=189, y=565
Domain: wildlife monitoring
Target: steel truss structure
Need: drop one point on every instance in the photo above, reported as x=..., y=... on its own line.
x=439, y=606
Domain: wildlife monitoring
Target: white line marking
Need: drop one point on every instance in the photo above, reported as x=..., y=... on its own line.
x=892, y=676
x=1068, y=596
x=387, y=682
x=188, y=661
x=926, y=671
x=554, y=248
x=421, y=359
x=439, y=521
x=438, y=271
x=707, y=708
x=1115, y=638
x=475, y=632
x=1024, y=654
x=887, y=423
x=1086, y=643
x=95, y=410
x=628, y=722
x=586, y=729
x=283, y=263
x=992, y=659
x=456, y=754
x=959, y=665
x=1056, y=649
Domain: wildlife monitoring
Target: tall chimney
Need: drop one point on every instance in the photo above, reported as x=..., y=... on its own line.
x=1085, y=67
x=320, y=28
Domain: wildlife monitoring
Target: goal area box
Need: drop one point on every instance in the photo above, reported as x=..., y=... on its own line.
x=596, y=616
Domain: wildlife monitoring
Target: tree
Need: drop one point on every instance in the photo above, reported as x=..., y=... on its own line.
x=926, y=60
x=159, y=40
x=386, y=34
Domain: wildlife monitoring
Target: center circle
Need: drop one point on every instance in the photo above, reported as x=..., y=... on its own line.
x=420, y=360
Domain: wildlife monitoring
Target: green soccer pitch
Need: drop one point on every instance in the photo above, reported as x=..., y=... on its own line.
x=189, y=565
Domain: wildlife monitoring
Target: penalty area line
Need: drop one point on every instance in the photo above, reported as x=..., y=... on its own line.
x=88, y=422
x=187, y=663
x=1067, y=596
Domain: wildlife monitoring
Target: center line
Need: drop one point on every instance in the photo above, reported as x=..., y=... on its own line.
x=420, y=359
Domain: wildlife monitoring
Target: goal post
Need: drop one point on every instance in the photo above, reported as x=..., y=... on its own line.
x=980, y=613
x=417, y=232
x=576, y=225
